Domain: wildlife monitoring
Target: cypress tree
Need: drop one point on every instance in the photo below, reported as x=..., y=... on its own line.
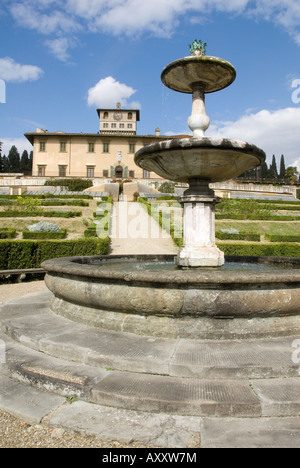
x=282, y=167
x=14, y=159
x=273, y=172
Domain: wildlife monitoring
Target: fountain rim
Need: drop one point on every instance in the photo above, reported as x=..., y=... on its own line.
x=203, y=143
x=81, y=267
x=205, y=60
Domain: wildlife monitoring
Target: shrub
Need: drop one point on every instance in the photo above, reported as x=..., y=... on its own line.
x=282, y=238
x=43, y=226
x=261, y=250
x=45, y=214
x=61, y=234
x=6, y=233
x=16, y=254
x=73, y=185
x=238, y=236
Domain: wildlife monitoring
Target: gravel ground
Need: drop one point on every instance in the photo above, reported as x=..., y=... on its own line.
x=9, y=291
x=15, y=433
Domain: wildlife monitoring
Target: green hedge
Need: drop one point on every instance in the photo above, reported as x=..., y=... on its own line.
x=282, y=238
x=267, y=217
x=45, y=235
x=34, y=214
x=73, y=185
x=6, y=233
x=238, y=236
x=261, y=250
x=31, y=254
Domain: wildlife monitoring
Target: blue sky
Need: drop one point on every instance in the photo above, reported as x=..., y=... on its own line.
x=61, y=60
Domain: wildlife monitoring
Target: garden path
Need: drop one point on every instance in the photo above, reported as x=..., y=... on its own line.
x=134, y=232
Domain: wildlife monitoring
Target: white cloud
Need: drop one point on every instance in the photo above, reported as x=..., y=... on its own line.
x=161, y=18
x=276, y=132
x=12, y=71
x=59, y=47
x=21, y=144
x=107, y=92
x=36, y=15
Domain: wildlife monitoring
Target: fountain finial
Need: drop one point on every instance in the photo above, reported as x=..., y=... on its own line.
x=198, y=48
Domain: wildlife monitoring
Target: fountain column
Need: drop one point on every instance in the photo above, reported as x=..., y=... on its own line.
x=199, y=248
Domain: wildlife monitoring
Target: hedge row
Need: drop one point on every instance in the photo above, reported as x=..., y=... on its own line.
x=6, y=233
x=31, y=254
x=238, y=236
x=282, y=238
x=266, y=217
x=261, y=250
x=73, y=185
x=45, y=235
x=34, y=214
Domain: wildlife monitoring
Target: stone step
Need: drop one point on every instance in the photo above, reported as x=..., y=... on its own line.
x=41, y=330
x=148, y=392
x=150, y=429
x=48, y=373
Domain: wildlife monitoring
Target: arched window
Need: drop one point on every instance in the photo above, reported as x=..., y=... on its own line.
x=105, y=115
x=129, y=115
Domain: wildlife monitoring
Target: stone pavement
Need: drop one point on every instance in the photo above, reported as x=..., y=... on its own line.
x=173, y=393
x=133, y=232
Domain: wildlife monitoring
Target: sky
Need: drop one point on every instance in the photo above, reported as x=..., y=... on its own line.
x=61, y=60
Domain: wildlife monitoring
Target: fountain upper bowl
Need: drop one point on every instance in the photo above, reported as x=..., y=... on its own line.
x=214, y=160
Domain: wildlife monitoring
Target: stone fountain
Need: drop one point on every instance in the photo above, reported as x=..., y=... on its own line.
x=193, y=295
x=199, y=160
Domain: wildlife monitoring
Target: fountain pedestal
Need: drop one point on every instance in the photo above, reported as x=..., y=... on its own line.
x=199, y=248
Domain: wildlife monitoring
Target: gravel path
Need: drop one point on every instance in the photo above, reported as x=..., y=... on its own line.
x=9, y=291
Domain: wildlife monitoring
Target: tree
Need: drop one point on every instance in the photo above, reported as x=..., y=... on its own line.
x=5, y=164
x=264, y=171
x=26, y=163
x=282, y=167
x=273, y=172
x=14, y=159
x=292, y=174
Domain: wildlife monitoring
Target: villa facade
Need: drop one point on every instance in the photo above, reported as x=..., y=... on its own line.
x=106, y=154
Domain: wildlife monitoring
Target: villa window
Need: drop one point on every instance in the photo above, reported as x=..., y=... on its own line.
x=91, y=148
x=132, y=148
x=90, y=172
x=63, y=147
x=41, y=171
x=42, y=146
x=105, y=147
x=62, y=171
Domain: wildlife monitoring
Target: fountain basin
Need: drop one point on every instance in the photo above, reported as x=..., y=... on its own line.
x=213, y=73
x=214, y=160
x=149, y=295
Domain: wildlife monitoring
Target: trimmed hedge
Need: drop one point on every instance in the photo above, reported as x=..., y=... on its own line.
x=34, y=214
x=6, y=233
x=261, y=250
x=32, y=253
x=282, y=238
x=73, y=185
x=238, y=236
x=258, y=217
x=45, y=235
